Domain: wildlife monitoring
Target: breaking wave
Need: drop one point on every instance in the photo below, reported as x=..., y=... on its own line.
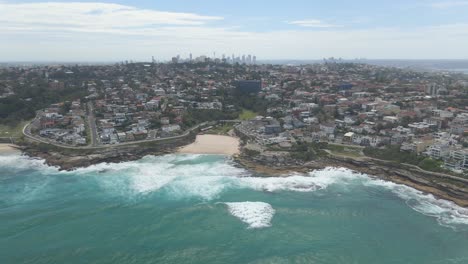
x=255, y=214
x=446, y=212
x=206, y=177
x=315, y=180
x=17, y=163
x=181, y=176
x=14, y=190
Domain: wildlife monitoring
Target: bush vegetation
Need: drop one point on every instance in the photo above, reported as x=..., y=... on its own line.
x=393, y=153
x=247, y=114
x=29, y=99
x=308, y=151
x=194, y=116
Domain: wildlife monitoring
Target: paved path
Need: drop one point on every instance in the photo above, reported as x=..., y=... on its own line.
x=92, y=125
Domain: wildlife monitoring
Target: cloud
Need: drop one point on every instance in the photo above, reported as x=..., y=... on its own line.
x=449, y=4
x=112, y=32
x=92, y=17
x=311, y=23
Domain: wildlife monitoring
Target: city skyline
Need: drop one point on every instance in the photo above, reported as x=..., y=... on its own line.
x=119, y=30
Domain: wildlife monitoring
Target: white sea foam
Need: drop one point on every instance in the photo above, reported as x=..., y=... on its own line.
x=204, y=187
x=30, y=187
x=180, y=175
x=446, y=212
x=313, y=181
x=185, y=176
x=255, y=214
x=16, y=162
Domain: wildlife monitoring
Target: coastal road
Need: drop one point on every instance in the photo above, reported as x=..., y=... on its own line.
x=92, y=125
x=28, y=134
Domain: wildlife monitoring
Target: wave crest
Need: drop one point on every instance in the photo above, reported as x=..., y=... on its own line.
x=255, y=214
x=17, y=162
x=316, y=180
x=207, y=176
x=446, y=212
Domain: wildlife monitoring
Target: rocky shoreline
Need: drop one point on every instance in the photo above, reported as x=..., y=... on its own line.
x=442, y=186
x=70, y=159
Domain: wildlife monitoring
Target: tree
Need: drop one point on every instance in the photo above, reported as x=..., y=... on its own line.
x=155, y=124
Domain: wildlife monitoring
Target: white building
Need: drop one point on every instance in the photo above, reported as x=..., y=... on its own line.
x=170, y=128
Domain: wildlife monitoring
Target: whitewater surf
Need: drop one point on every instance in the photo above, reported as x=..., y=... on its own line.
x=182, y=206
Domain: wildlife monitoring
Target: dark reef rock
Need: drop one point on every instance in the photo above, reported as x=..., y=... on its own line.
x=443, y=186
x=69, y=159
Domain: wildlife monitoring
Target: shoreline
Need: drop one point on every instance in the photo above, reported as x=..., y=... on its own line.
x=6, y=149
x=439, y=185
x=421, y=181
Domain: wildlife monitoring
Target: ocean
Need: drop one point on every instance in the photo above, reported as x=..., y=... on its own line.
x=454, y=66
x=185, y=208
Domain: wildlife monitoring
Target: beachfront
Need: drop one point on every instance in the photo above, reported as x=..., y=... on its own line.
x=213, y=144
x=7, y=149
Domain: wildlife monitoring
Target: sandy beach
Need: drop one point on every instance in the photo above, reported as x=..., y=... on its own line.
x=213, y=144
x=7, y=149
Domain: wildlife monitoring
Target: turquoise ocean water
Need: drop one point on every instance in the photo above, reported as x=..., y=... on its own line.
x=203, y=209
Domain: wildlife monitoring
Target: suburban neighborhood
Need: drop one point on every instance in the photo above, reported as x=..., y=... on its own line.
x=423, y=113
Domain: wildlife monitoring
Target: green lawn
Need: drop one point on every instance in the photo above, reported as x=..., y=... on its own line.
x=12, y=131
x=221, y=130
x=247, y=115
x=345, y=150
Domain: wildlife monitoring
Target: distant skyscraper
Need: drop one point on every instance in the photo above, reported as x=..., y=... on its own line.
x=249, y=59
x=190, y=57
x=243, y=58
x=432, y=89
x=254, y=60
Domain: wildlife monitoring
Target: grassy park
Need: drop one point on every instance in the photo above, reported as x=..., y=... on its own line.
x=12, y=131
x=349, y=151
x=247, y=115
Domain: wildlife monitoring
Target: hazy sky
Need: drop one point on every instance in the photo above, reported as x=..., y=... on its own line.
x=271, y=29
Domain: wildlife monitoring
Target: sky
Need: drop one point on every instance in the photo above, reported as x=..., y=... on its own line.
x=116, y=30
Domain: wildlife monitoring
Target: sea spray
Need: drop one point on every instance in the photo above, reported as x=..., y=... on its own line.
x=207, y=177
x=17, y=163
x=202, y=209
x=255, y=214
x=447, y=213
x=313, y=181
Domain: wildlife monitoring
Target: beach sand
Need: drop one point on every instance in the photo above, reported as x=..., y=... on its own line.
x=213, y=144
x=7, y=149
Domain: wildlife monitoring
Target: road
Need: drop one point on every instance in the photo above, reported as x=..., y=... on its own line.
x=92, y=125
x=27, y=133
